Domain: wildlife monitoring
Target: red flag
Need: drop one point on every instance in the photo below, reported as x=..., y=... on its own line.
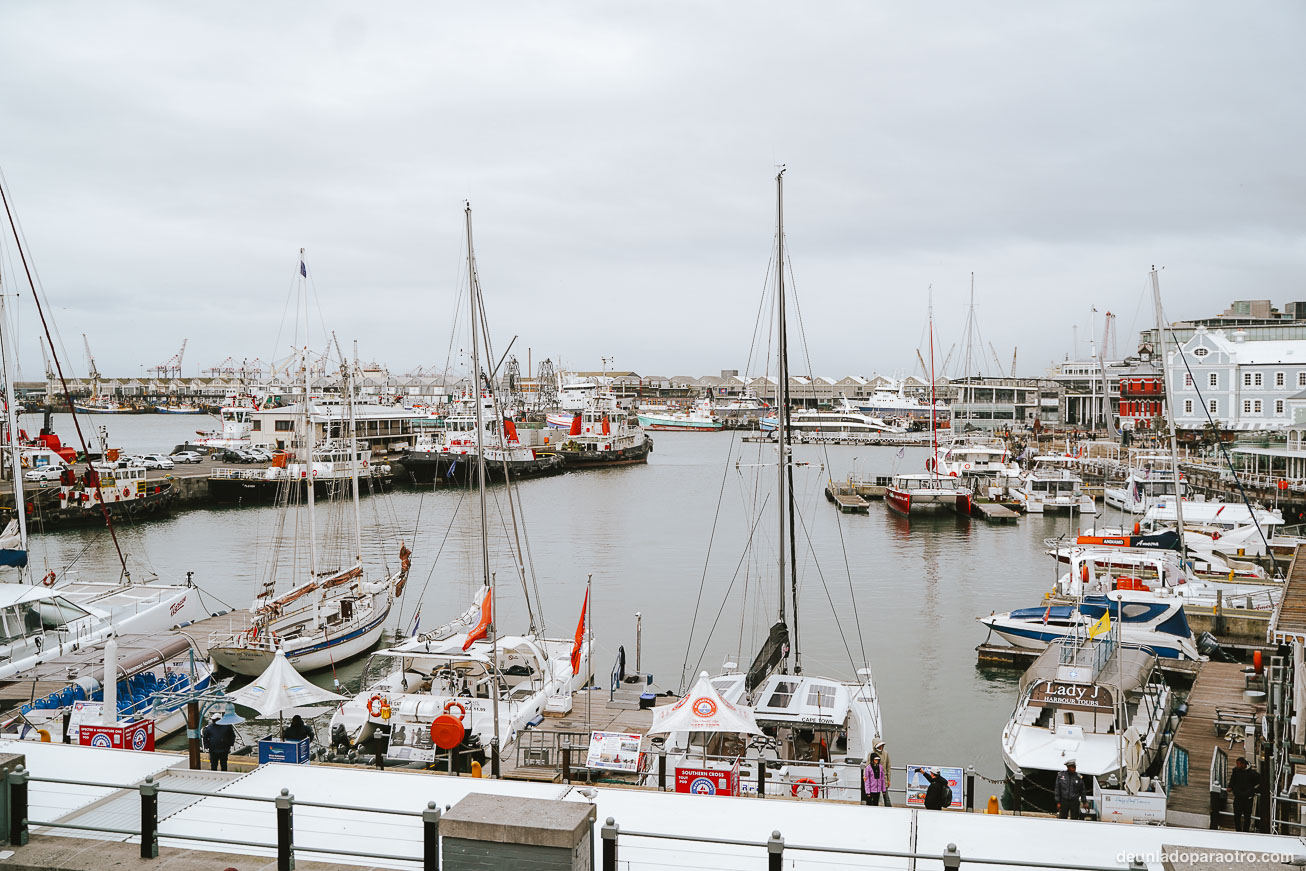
x=510, y=428
x=484, y=626
x=575, y=426
x=580, y=634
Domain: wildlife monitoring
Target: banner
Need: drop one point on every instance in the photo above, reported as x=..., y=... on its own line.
x=708, y=781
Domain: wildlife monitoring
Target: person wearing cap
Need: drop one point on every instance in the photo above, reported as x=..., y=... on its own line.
x=878, y=746
x=1243, y=783
x=219, y=738
x=1069, y=792
x=875, y=780
x=938, y=795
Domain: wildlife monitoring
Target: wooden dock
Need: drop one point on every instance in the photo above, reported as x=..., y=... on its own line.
x=1217, y=709
x=993, y=512
x=1178, y=672
x=846, y=498
x=1289, y=621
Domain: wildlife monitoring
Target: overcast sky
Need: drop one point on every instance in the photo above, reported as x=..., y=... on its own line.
x=168, y=160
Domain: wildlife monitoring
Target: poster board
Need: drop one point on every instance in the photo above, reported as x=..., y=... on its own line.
x=1118, y=806
x=917, y=784
x=614, y=751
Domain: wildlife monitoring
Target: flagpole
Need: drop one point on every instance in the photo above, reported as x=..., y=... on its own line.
x=589, y=650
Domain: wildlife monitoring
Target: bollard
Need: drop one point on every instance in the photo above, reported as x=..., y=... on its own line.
x=431, y=837
x=566, y=765
x=662, y=771
x=609, y=835
x=476, y=769
x=775, y=851
x=951, y=858
x=17, y=782
x=1017, y=786
x=149, y=819
x=494, y=758
x=285, y=831
x=761, y=777
x=970, y=788
x=993, y=806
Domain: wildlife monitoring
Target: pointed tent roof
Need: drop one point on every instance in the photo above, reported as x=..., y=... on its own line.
x=703, y=710
x=280, y=688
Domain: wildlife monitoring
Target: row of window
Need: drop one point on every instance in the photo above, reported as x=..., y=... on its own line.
x=1250, y=379
x=1250, y=406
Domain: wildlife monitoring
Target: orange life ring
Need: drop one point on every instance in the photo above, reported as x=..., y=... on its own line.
x=798, y=785
x=375, y=705
x=462, y=711
x=126, y=491
x=48, y=580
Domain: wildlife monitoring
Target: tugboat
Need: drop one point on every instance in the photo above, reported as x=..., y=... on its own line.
x=602, y=435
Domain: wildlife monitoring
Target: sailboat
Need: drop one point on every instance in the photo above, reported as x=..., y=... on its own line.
x=462, y=692
x=336, y=612
x=816, y=730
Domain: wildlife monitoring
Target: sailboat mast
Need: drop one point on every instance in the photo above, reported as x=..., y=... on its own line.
x=473, y=296
x=934, y=433
x=1169, y=411
x=309, y=481
x=782, y=385
x=11, y=421
x=353, y=455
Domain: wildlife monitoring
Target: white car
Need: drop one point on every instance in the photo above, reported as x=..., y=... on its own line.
x=43, y=473
x=186, y=457
x=156, y=461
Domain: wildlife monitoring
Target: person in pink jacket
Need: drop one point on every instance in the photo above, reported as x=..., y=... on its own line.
x=875, y=780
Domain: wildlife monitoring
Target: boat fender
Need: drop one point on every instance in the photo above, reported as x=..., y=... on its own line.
x=374, y=706
x=462, y=711
x=1083, y=573
x=798, y=787
x=1137, y=528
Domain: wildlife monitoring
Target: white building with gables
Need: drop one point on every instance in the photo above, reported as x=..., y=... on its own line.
x=1242, y=385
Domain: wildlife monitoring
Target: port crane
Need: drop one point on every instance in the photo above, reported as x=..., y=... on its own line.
x=172, y=367
x=93, y=373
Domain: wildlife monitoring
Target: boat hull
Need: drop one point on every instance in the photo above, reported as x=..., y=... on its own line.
x=304, y=654
x=600, y=459
x=428, y=467
x=664, y=424
x=44, y=510
x=235, y=491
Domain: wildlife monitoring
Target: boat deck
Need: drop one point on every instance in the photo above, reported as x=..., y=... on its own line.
x=231, y=622
x=1216, y=698
x=846, y=500
x=135, y=653
x=1289, y=621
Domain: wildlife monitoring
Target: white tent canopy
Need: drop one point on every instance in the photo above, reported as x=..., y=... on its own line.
x=279, y=689
x=703, y=710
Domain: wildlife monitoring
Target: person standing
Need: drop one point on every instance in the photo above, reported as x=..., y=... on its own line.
x=1243, y=783
x=1069, y=792
x=938, y=795
x=878, y=747
x=875, y=781
x=219, y=738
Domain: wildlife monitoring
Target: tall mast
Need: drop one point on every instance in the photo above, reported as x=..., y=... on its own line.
x=1169, y=411
x=11, y=421
x=350, y=370
x=934, y=435
x=782, y=378
x=474, y=299
x=309, y=481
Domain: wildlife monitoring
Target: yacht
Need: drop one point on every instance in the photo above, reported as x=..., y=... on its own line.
x=896, y=405
x=1052, y=485
x=1150, y=479
x=845, y=421
x=1098, y=702
x=918, y=493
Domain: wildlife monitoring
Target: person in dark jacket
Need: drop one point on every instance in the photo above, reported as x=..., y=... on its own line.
x=298, y=730
x=938, y=795
x=1069, y=792
x=1243, y=783
x=218, y=740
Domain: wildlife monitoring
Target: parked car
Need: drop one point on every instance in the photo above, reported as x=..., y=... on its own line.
x=261, y=454
x=157, y=461
x=235, y=455
x=43, y=473
x=186, y=457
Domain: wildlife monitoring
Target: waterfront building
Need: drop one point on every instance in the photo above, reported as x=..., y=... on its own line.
x=1242, y=385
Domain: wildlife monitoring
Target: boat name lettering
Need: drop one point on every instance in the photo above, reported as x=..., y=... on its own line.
x=1079, y=695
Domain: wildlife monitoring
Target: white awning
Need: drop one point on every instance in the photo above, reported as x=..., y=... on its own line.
x=281, y=688
x=703, y=710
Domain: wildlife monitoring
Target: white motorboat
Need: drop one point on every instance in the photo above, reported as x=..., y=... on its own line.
x=983, y=461
x=920, y=493
x=237, y=422
x=1150, y=479
x=1052, y=485
x=891, y=404
x=1097, y=702
x=699, y=418
x=844, y=422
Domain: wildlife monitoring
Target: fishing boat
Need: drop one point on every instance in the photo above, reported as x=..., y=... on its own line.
x=1052, y=485
x=329, y=613
x=178, y=408
x=1097, y=702
x=462, y=693
x=601, y=435
x=237, y=422
x=815, y=730
x=99, y=405
x=698, y=418
x=332, y=470
x=471, y=435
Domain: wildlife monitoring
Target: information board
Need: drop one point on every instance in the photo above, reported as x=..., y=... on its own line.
x=917, y=783
x=614, y=751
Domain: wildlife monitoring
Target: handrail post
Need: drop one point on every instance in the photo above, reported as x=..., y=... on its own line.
x=775, y=851
x=609, y=835
x=761, y=777
x=970, y=788
x=662, y=770
x=285, y=831
x=566, y=764
x=17, y=785
x=149, y=818
x=431, y=837
x=951, y=858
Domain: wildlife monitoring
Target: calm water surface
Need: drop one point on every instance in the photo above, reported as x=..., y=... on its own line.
x=669, y=540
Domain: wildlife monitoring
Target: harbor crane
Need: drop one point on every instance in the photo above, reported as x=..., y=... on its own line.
x=225, y=369
x=92, y=373
x=172, y=367
x=1014, y=349
x=49, y=374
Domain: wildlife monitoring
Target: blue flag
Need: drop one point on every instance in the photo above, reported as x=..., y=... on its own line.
x=303, y=270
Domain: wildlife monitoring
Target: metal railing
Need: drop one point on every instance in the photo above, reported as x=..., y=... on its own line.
x=1176, y=767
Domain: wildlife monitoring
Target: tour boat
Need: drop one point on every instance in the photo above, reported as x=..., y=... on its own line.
x=896, y=405
x=699, y=418
x=1052, y=485
x=917, y=493
x=845, y=421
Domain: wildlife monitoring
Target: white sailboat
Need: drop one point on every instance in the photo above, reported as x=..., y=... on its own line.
x=336, y=612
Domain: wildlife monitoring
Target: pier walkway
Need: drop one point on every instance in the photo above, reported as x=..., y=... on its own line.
x=1289, y=621
x=1218, y=714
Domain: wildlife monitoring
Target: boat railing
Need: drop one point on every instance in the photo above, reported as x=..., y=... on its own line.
x=1176, y=766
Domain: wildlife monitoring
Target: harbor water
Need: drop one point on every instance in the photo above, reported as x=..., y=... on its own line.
x=670, y=540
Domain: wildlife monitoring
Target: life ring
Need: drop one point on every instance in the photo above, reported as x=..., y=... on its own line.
x=798, y=785
x=126, y=491
x=48, y=580
x=930, y=463
x=315, y=473
x=462, y=711
x=966, y=466
x=374, y=706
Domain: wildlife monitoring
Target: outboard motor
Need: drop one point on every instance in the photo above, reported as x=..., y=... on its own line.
x=1210, y=648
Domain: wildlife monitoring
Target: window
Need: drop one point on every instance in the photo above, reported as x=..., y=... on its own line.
x=1256, y=407
x=285, y=426
x=1188, y=406
x=1256, y=379
x=1278, y=379
x=782, y=695
x=1278, y=406
x=1247, y=406
x=1188, y=379
x=1213, y=380
x=1301, y=379
x=1214, y=406
x=1200, y=352
x=1247, y=379
x=258, y=426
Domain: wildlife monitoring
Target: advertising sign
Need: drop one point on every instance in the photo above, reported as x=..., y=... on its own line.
x=83, y=712
x=917, y=783
x=613, y=751
x=1118, y=806
x=708, y=781
x=136, y=735
x=1079, y=696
